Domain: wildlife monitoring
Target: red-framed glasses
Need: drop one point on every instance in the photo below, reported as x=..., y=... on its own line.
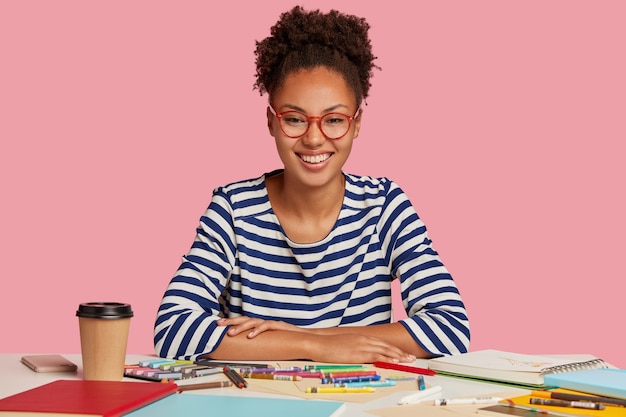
x=295, y=124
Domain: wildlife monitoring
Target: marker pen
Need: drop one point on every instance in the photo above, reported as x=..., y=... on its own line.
x=385, y=383
x=564, y=403
x=465, y=401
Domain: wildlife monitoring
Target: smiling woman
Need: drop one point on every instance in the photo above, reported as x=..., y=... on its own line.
x=298, y=263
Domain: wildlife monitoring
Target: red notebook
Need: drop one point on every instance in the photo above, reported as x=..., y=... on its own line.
x=85, y=398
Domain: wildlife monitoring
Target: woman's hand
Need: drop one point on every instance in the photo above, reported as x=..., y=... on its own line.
x=255, y=326
x=355, y=348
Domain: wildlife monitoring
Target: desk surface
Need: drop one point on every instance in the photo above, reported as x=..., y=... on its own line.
x=16, y=377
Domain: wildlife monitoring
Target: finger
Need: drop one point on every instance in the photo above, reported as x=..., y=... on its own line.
x=393, y=355
x=232, y=320
x=264, y=326
x=380, y=350
x=249, y=324
x=237, y=324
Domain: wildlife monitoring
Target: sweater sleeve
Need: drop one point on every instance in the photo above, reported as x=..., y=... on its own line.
x=186, y=323
x=437, y=319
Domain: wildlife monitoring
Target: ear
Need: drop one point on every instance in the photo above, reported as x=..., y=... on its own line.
x=357, y=124
x=270, y=121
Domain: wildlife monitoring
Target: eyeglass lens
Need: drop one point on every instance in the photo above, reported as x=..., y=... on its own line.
x=333, y=125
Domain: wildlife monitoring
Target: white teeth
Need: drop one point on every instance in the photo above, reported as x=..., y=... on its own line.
x=315, y=159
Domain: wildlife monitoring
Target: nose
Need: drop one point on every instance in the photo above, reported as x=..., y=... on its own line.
x=313, y=136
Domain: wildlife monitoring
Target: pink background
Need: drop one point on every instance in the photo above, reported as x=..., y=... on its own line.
x=503, y=121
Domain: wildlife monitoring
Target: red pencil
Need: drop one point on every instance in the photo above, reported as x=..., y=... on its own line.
x=405, y=368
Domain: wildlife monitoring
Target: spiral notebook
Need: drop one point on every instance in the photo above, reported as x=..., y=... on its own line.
x=512, y=368
x=607, y=382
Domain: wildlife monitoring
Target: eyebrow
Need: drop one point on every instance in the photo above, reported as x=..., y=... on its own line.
x=327, y=110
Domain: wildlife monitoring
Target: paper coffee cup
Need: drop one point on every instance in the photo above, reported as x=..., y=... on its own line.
x=104, y=330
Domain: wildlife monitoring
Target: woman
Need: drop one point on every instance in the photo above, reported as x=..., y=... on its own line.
x=298, y=263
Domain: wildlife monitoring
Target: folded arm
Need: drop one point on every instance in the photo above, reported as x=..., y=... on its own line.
x=251, y=338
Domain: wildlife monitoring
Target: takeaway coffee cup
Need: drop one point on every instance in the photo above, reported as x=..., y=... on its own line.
x=103, y=338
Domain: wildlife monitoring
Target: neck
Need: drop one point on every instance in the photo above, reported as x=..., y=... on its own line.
x=311, y=201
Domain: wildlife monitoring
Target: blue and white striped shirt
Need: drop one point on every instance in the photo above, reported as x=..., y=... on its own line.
x=242, y=263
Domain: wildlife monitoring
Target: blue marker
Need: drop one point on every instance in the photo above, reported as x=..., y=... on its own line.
x=420, y=383
x=351, y=379
x=383, y=383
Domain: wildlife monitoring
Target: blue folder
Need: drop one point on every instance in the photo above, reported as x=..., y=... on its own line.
x=190, y=405
x=607, y=382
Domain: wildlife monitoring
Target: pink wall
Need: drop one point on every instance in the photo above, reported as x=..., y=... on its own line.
x=503, y=121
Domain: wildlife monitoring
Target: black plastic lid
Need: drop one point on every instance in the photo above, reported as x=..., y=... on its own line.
x=105, y=310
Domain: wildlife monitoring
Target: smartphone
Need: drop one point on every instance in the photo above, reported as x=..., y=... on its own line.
x=48, y=363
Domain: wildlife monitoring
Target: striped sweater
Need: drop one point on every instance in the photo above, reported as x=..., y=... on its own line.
x=242, y=263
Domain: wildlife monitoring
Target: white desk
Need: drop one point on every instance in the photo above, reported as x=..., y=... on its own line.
x=16, y=377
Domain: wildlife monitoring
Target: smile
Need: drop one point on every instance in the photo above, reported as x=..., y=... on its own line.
x=315, y=159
